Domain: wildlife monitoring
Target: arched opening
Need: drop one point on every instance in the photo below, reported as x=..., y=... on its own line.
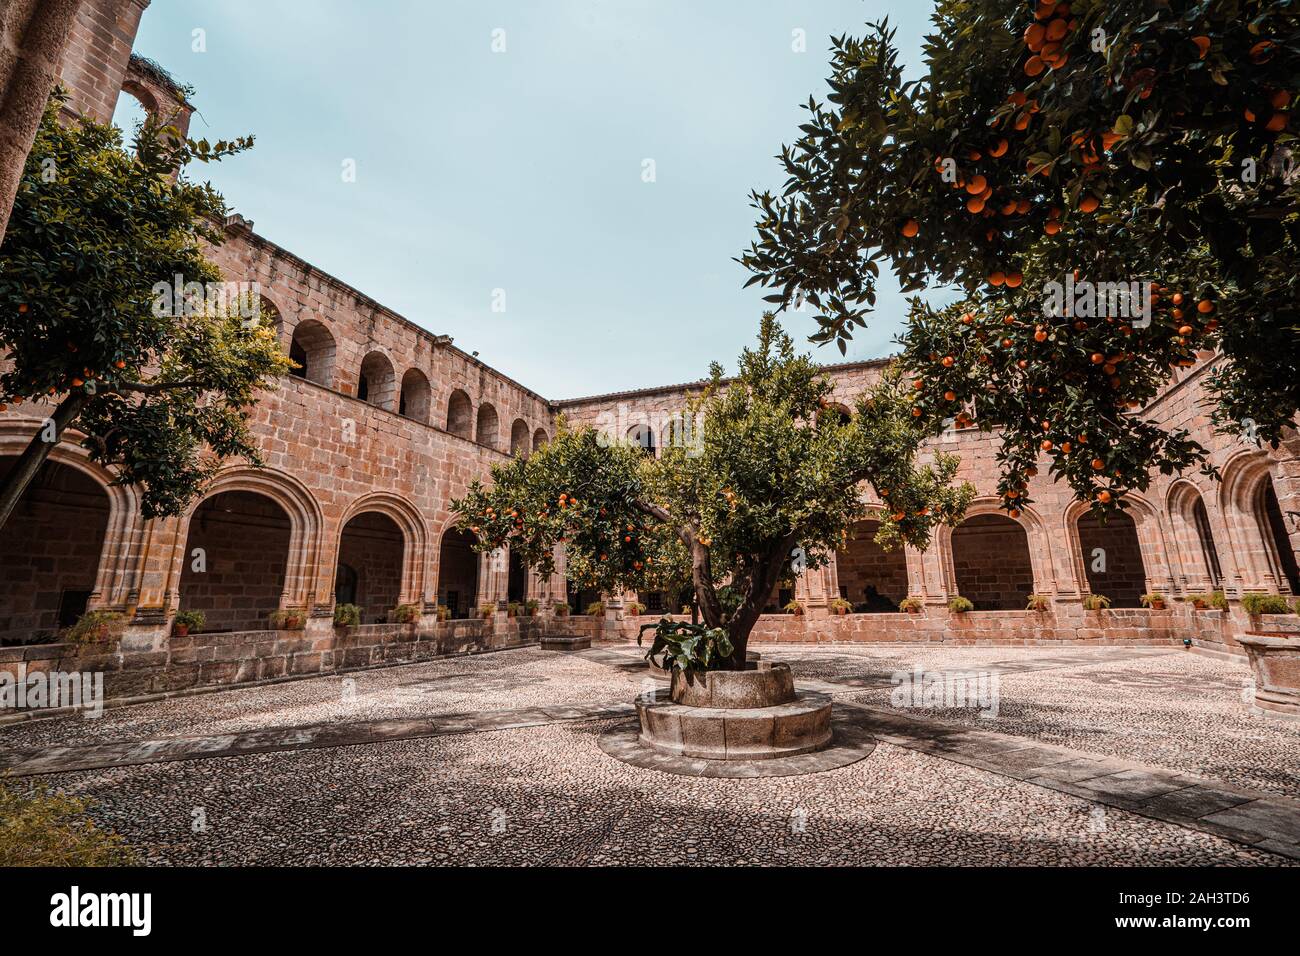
x=1205, y=542
x=836, y=411
x=458, y=565
x=540, y=438
x=519, y=438
x=50, y=551
x=134, y=107
x=375, y=383
x=642, y=436
x=1112, y=558
x=345, y=584
x=236, y=557
x=990, y=557
x=460, y=415
x=488, y=430
x=312, y=350
x=870, y=578
x=1289, y=571
x=1193, y=541
x=374, y=548
x=415, y=399
x=269, y=315
x=516, y=580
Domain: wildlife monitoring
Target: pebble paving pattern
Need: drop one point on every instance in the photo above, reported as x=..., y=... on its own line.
x=548, y=795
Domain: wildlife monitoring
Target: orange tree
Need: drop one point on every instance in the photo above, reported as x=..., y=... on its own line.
x=1052, y=158
x=767, y=487
x=158, y=388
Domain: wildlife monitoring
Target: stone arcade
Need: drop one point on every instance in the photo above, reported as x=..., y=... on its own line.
x=386, y=424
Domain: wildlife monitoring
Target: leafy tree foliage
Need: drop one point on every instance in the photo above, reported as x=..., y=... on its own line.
x=1119, y=141
x=769, y=489
x=160, y=394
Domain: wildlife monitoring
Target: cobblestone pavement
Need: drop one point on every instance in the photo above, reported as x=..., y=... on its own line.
x=430, y=776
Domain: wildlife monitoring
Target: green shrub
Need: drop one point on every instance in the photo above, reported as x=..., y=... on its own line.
x=345, y=615
x=596, y=608
x=48, y=829
x=1095, y=602
x=1038, y=602
x=96, y=626
x=1219, y=601
x=1257, y=604
x=960, y=605
x=288, y=619
x=405, y=614
x=194, y=620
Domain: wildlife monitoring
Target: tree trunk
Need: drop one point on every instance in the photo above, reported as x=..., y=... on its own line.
x=29, y=462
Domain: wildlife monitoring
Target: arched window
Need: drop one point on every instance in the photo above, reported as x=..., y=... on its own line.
x=990, y=556
x=415, y=397
x=375, y=384
x=460, y=415
x=373, y=545
x=134, y=107
x=488, y=431
x=540, y=438
x=519, y=438
x=870, y=578
x=312, y=349
x=643, y=436
x=1112, y=558
x=458, y=573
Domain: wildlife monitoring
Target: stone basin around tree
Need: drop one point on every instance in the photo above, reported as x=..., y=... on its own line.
x=754, y=714
x=1275, y=661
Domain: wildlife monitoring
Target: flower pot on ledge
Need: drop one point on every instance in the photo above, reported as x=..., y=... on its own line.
x=1275, y=662
x=754, y=714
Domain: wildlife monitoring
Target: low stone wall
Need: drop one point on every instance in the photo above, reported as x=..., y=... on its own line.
x=236, y=657
x=1062, y=624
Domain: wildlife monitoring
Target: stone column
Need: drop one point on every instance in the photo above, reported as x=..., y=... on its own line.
x=33, y=38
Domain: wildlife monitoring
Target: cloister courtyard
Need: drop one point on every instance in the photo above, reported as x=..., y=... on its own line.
x=1094, y=756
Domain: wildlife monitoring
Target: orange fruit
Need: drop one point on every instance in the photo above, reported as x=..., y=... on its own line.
x=918, y=384
x=1056, y=31
x=911, y=228
x=1046, y=445
x=948, y=361
x=1205, y=307
x=1281, y=100
x=1203, y=44
x=1035, y=66
x=1014, y=512
x=1097, y=358
x=1277, y=122
x=916, y=413
x=1103, y=496
x=1089, y=203
x=976, y=185
x=997, y=278
x=1014, y=279
x=1185, y=330
x=1035, y=33
x=1022, y=206
x=1022, y=122
x=950, y=396
x=999, y=149
x=1262, y=51
x=975, y=204
x=1040, y=336
x=1052, y=228
x=1098, y=464
x=22, y=308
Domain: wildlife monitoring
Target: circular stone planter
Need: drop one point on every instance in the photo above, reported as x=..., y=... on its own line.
x=1275, y=661
x=754, y=714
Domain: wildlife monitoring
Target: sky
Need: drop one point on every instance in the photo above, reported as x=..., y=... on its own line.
x=500, y=195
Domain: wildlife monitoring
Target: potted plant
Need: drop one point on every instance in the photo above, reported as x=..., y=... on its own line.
x=561, y=609
x=1095, y=602
x=186, y=621
x=633, y=609
x=1038, y=602
x=911, y=605
x=1257, y=604
x=512, y=609
x=405, y=614
x=795, y=608
x=486, y=610
x=686, y=610
x=288, y=619
x=95, y=627
x=346, y=615
x=530, y=607
x=595, y=608
x=443, y=612
x=840, y=607
x=960, y=605
x=1154, y=600
x=1218, y=600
